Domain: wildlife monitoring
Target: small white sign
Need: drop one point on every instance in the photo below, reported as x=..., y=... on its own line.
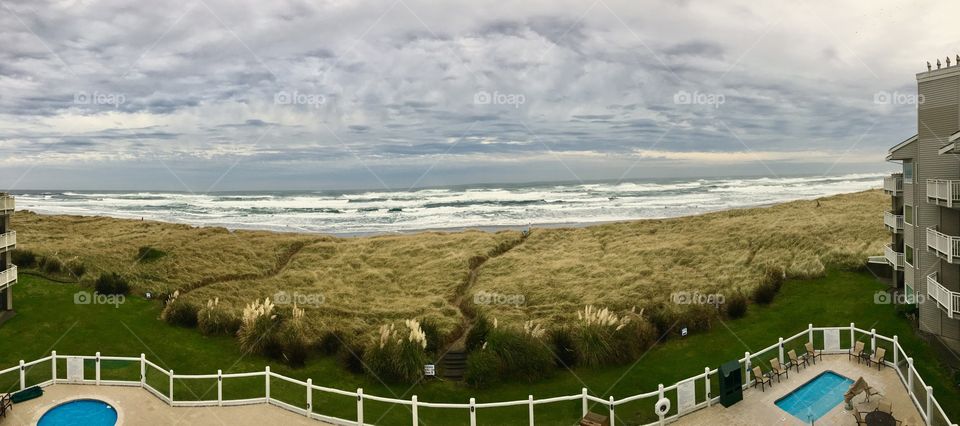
x=683, y=331
x=75, y=369
x=429, y=370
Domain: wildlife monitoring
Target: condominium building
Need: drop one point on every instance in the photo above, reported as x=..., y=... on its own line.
x=924, y=215
x=8, y=271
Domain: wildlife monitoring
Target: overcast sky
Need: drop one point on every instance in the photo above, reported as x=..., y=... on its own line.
x=200, y=95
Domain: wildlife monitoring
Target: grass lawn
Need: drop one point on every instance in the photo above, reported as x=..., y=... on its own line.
x=48, y=320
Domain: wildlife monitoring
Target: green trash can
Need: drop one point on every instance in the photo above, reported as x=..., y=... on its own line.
x=731, y=383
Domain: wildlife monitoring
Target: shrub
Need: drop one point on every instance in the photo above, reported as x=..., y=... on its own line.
x=149, y=254
x=292, y=339
x=765, y=293
x=433, y=334
x=478, y=334
x=258, y=328
x=398, y=358
x=483, y=369
x=697, y=317
x=663, y=319
x=179, y=312
x=331, y=342
x=112, y=283
x=561, y=341
x=214, y=319
x=351, y=356
x=51, y=265
x=520, y=353
x=602, y=337
x=736, y=305
x=24, y=258
x=76, y=268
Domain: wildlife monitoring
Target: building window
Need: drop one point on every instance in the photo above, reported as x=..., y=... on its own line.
x=909, y=296
x=908, y=215
x=907, y=171
x=908, y=255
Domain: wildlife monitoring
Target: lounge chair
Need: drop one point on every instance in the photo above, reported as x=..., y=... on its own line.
x=812, y=354
x=778, y=369
x=857, y=351
x=878, y=357
x=5, y=404
x=761, y=379
x=796, y=361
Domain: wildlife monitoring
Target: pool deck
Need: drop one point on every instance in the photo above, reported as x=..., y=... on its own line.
x=758, y=408
x=136, y=406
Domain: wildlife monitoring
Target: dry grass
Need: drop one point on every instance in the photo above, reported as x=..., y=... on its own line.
x=366, y=282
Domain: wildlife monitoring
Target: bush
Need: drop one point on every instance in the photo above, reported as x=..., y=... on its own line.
x=180, y=312
x=51, y=265
x=24, y=258
x=76, y=268
x=292, y=339
x=478, y=334
x=214, y=319
x=331, y=342
x=433, y=334
x=561, y=341
x=736, y=305
x=351, y=356
x=697, y=317
x=398, y=358
x=765, y=293
x=521, y=354
x=483, y=369
x=112, y=283
x=149, y=254
x=602, y=337
x=259, y=328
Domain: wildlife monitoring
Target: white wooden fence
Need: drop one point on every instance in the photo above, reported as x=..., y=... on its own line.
x=920, y=393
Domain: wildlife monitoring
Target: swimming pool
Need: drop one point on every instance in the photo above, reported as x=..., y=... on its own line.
x=816, y=397
x=80, y=412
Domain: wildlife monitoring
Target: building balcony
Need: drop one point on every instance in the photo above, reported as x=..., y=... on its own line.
x=6, y=203
x=894, y=258
x=8, y=241
x=8, y=277
x=943, y=192
x=893, y=184
x=946, y=246
x=893, y=221
x=948, y=300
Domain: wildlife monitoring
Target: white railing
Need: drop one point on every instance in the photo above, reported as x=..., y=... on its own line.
x=8, y=240
x=948, y=300
x=921, y=394
x=946, y=191
x=8, y=276
x=893, y=184
x=894, y=257
x=893, y=221
x=947, y=246
x=6, y=203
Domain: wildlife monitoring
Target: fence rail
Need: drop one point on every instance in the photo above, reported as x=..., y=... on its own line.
x=6, y=203
x=920, y=393
x=893, y=184
x=946, y=246
x=945, y=191
x=8, y=276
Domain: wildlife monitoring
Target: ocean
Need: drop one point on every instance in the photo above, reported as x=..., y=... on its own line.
x=470, y=206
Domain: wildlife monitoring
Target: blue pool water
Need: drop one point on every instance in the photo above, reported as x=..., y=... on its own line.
x=82, y=412
x=816, y=397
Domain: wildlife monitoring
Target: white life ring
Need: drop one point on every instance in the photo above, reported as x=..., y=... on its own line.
x=662, y=407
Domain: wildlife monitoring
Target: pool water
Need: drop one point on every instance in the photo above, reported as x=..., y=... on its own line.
x=816, y=397
x=81, y=412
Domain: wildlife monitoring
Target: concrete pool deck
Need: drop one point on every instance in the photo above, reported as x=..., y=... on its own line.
x=758, y=408
x=136, y=406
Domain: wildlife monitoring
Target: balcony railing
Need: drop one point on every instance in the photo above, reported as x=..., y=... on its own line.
x=946, y=246
x=943, y=192
x=894, y=257
x=8, y=277
x=8, y=241
x=948, y=300
x=893, y=221
x=893, y=184
x=6, y=203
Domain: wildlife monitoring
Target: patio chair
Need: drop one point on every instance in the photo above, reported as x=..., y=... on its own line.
x=796, y=361
x=5, y=404
x=885, y=406
x=761, y=379
x=858, y=416
x=812, y=353
x=856, y=352
x=778, y=369
x=878, y=357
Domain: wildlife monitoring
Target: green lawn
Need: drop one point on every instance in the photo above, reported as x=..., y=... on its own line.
x=48, y=320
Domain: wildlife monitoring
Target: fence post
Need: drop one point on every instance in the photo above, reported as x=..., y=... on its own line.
x=266, y=383
x=706, y=376
x=810, y=333
x=613, y=414
x=852, y=332
x=746, y=366
x=309, y=397
x=929, y=405
x=220, y=388
x=473, y=412
x=53, y=366
x=23, y=376
x=97, y=369
x=143, y=369
x=910, y=375
x=170, y=389
x=896, y=351
x=530, y=408
x=360, y=406
x=873, y=340
x=583, y=392
x=780, y=350
x=414, y=411
x=660, y=396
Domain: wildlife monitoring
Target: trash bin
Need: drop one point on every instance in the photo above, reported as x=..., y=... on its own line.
x=731, y=383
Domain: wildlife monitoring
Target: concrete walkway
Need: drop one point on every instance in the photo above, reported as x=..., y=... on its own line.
x=758, y=408
x=136, y=406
